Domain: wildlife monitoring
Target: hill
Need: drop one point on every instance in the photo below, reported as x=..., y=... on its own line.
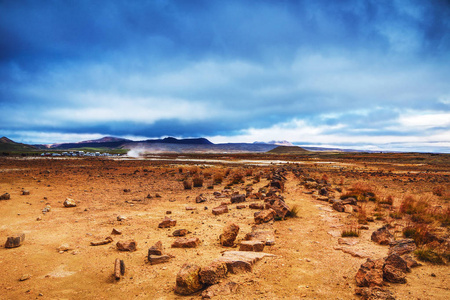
x=288, y=150
x=9, y=145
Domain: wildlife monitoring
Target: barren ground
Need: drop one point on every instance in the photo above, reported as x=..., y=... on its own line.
x=306, y=264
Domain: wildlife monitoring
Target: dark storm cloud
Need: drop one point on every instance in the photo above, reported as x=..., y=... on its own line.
x=225, y=68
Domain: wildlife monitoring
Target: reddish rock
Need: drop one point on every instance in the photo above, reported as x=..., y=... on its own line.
x=264, y=216
x=410, y=262
x=5, y=196
x=15, y=241
x=25, y=192
x=394, y=275
x=402, y=246
x=397, y=262
x=119, y=268
x=116, y=232
x=129, y=245
x=180, y=232
x=102, y=242
x=212, y=273
x=338, y=206
x=200, y=198
x=167, y=222
x=186, y=243
x=238, y=198
x=156, y=249
x=262, y=232
x=373, y=293
x=158, y=259
x=188, y=280
x=242, y=261
x=222, y=209
x=254, y=246
x=221, y=289
x=229, y=235
x=69, y=203
x=256, y=206
x=241, y=206
x=370, y=273
x=382, y=236
x=280, y=207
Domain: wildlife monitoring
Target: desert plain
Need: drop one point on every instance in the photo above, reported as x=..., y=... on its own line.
x=310, y=257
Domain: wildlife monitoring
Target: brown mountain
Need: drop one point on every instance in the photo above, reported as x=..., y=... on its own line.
x=9, y=145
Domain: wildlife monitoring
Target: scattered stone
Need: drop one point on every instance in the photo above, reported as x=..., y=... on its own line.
x=129, y=245
x=167, y=222
x=103, y=242
x=323, y=198
x=410, y=262
x=126, y=190
x=348, y=241
x=374, y=293
x=262, y=232
x=190, y=208
x=363, y=227
x=221, y=289
x=238, y=198
x=241, y=206
x=168, y=212
x=157, y=195
x=15, y=241
x=241, y=261
x=394, y=275
x=212, y=273
x=69, y=203
x=200, y=198
x=188, y=280
x=158, y=259
x=402, y=246
x=39, y=218
x=382, y=236
x=256, y=206
x=116, y=232
x=156, y=249
x=186, y=243
x=46, y=209
x=348, y=208
x=352, y=252
x=280, y=207
x=5, y=196
x=222, y=209
x=397, y=262
x=338, y=205
x=370, y=273
x=119, y=268
x=64, y=248
x=121, y=218
x=229, y=235
x=264, y=216
x=180, y=232
x=25, y=277
x=254, y=246
x=25, y=192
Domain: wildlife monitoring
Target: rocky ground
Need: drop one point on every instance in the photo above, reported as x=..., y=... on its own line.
x=70, y=252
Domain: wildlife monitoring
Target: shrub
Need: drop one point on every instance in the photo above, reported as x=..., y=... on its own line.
x=187, y=184
x=249, y=172
x=237, y=178
x=362, y=215
x=294, y=212
x=218, y=178
x=198, y=181
x=429, y=255
x=361, y=192
x=350, y=232
x=395, y=215
x=388, y=200
x=438, y=190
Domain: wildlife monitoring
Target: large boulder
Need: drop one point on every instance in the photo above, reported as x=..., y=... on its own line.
x=156, y=249
x=370, y=273
x=397, y=262
x=188, y=280
x=402, y=246
x=394, y=275
x=222, y=209
x=129, y=245
x=186, y=243
x=382, y=236
x=213, y=273
x=229, y=235
x=280, y=207
x=254, y=246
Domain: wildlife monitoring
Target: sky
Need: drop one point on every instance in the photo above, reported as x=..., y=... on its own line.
x=370, y=75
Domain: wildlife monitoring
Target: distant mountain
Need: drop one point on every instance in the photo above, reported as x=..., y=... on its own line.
x=106, y=139
x=287, y=150
x=172, y=140
x=9, y=145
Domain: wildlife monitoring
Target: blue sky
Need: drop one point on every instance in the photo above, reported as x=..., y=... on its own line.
x=356, y=74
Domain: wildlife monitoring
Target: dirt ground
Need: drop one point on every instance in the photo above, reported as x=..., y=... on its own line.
x=306, y=265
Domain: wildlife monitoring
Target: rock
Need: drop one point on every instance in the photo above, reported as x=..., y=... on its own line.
x=188, y=280
x=352, y=252
x=158, y=259
x=348, y=241
x=64, y=247
x=168, y=212
x=116, y=232
x=212, y=273
x=280, y=207
x=397, y=262
x=348, y=208
x=190, y=208
x=410, y=262
x=200, y=198
x=25, y=277
x=126, y=190
x=167, y=222
x=277, y=184
x=402, y=246
x=374, y=293
x=264, y=216
x=222, y=209
x=46, y=209
x=254, y=246
x=351, y=201
x=180, y=232
x=25, y=192
x=256, y=206
x=241, y=206
x=370, y=273
x=229, y=235
x=121, y=218
x=5, y=196
x=119, y=268
x=69, y=203
x=323, y=198
x=382, y=236
x=129, y=245
x=338, y=206
x=186, y=243
x=221, y=289
x=156, y=249
x=241, y=261
x=394, y=275
x=363, y=227
x=103, y=242
x=262, y=232
x=238, y=198
x=15, y=241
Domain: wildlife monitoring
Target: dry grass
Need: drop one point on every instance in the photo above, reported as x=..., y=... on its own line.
x=351, y=231
x=198, y=181
x=361, y=191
